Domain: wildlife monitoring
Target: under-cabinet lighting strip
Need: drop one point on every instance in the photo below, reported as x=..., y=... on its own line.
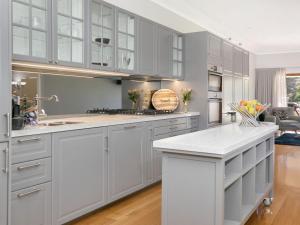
x=60, y=70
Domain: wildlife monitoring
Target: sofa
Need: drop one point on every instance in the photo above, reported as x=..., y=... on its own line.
x=286, y=118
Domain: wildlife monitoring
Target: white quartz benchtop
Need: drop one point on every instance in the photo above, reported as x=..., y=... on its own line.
x=93, y=121
x=215, y=142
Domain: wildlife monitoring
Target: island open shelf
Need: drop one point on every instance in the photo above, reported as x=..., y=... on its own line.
x=217, y=176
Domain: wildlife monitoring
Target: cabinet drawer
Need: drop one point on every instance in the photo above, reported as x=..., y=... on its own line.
x=31, y=148
x=167, y=122
x=169, y=129
x=31, y=173
x=180, y=132
x=31, y=206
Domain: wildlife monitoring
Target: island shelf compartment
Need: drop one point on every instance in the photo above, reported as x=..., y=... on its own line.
x=233, y=203
x=261, y=151
x=260, y=180
x=269, y=145
x=249, y=159
x=233, y=169
x=270, y=169
x=248, y=194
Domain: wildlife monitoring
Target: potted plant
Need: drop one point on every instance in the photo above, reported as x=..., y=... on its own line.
x=186, y=98
x=133, y=96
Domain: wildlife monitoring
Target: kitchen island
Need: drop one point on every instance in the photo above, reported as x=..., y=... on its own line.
x=216, y=176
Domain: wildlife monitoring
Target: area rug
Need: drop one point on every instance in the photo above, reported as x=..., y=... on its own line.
x=288, y=139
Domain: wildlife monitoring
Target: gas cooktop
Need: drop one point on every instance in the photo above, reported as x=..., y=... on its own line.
x=128, y=111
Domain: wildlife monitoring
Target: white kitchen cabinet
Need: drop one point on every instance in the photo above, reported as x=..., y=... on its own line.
x=227, y=58
x=246, y=88
x=125, y=164
x=126, y=41
x=3, y=182
x=69, y=32
x=177, y=53
x=79, y=173
x=31, y=30
x=237, y=61
x=228, y=95
x=102, y=35
x=5, y=71
x=164, y=57
x=238, y=89
x=31, y=206
x=245, y=64
x=214, y=50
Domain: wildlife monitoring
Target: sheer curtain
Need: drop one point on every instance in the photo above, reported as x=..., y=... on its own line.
x=279, y=89
x=270, y=87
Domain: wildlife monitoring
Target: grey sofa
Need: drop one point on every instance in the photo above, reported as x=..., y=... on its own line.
x=286, y=118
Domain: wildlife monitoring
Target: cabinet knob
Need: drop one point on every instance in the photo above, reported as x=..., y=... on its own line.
x=56, y=62
x=50, y=61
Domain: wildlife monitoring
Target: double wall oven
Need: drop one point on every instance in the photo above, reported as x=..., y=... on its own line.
x=215, y=76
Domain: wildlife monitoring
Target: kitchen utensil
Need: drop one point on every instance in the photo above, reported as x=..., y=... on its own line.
x=165, y=99
x=18, y=123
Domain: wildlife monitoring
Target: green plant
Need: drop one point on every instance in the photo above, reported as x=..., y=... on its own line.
x=133, y=95
x=186, y=95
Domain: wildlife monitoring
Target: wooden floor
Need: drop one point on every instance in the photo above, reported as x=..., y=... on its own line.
x=144, y=208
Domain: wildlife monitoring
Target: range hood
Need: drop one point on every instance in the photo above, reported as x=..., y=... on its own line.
x=28, y=67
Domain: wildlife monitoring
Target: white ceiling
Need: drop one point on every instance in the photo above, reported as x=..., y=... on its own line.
x=262, y=26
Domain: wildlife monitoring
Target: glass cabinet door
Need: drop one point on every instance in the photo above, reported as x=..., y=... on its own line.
x=177, y=56
x=30, y=33
x=69, y=33
x=102, y=36
x=126, y=41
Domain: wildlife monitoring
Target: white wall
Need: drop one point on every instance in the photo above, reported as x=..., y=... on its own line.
x=77, y=95
x=252, y=67
x=158, y=14
x=281, y=60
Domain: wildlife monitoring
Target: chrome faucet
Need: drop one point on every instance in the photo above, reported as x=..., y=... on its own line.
x=42, y=112
x=52, y=97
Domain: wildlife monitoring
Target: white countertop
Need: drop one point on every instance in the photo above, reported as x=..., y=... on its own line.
x=93, y=121
x=214, y=142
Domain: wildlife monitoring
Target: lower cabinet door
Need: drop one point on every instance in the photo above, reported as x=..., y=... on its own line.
x=3, y=182
x=157, y=159
x=31, y=206
x=125, y=159
x=79, y=173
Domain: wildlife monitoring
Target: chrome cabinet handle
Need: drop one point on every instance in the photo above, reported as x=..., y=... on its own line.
x=130, y=127
x=106, y=140
x=5, y=152
x=7, y=115
x=29, y=140
x=20, y=168
x=22, y=195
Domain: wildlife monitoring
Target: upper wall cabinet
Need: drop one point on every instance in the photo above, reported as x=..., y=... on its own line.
x=164, y=40
x=69, y=32
x=214, y=50
x=31, y=30
x=227, y=58
x=147, y=47
x=237, y=61
x=177, y=53
x=245, y=63
x=126, y=41
x=102, y=42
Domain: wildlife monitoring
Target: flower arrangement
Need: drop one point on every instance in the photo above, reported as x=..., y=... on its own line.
x=133, y=95
x=186, y=98
x=249, y=111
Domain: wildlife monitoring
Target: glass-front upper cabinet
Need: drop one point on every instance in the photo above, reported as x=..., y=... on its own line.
x=30, y=30
x=102, y=36
x=177, y=56
x=69, y=32
x=126, y=41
